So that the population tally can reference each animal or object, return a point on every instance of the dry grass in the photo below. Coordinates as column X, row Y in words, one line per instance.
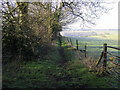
column 91, row 64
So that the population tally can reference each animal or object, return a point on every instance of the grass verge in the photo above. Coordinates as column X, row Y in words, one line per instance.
column 48, row 73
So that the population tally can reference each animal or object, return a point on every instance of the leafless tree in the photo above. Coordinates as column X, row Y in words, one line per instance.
column 86, row 11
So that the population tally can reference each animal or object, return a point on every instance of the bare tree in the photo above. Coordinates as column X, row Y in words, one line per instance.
column 29, row 25
column 87, row 11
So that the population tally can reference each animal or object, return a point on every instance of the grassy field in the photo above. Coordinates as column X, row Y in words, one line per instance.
column 95, row 44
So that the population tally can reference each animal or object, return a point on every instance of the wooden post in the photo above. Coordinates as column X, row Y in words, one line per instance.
column 67, row 39
column 71, row 42
column 85, row 50
column 77, row 44
column 60, row 40
column 100, row 58
column 105, row 56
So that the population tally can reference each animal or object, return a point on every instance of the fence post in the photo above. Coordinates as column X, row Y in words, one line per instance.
column 77, row 44
column 105, row 56
column 85, row 50
column 67, row 40
column 71, row 42
column 60, row 40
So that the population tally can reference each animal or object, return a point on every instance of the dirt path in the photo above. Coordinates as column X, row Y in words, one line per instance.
column 62, row 54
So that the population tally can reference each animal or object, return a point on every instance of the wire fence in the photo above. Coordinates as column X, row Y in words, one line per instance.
column 108, row 59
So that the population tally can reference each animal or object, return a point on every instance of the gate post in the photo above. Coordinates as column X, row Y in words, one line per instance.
column 71, row 42
column 104, row 56
column 85, row 50
column 77, row 44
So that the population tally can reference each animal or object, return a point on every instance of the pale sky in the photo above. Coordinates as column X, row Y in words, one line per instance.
column 110, row 20
column 106, row 21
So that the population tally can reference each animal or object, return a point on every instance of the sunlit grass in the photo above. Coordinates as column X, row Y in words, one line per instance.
column 107, row 37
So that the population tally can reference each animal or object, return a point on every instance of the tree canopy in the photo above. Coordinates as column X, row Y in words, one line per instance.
column 30, row 27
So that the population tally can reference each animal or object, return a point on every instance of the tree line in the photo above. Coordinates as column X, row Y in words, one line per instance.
column 29, row 28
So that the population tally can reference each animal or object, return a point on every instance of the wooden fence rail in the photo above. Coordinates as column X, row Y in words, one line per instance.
column 114, row 72
column 104, row 56
column 104, row 53
column 113, row 55
column 113, row 47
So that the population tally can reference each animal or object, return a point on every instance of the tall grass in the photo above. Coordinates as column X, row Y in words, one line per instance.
column 90, row 63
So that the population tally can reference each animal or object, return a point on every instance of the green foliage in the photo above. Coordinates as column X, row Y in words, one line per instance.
column 28, row 34
column 56, row 28
column 69, row 54
column 49, row 75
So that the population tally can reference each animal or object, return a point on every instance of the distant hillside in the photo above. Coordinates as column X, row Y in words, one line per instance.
column 99, row 34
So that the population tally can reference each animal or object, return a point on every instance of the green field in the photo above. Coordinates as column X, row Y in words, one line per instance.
column 95, row 45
